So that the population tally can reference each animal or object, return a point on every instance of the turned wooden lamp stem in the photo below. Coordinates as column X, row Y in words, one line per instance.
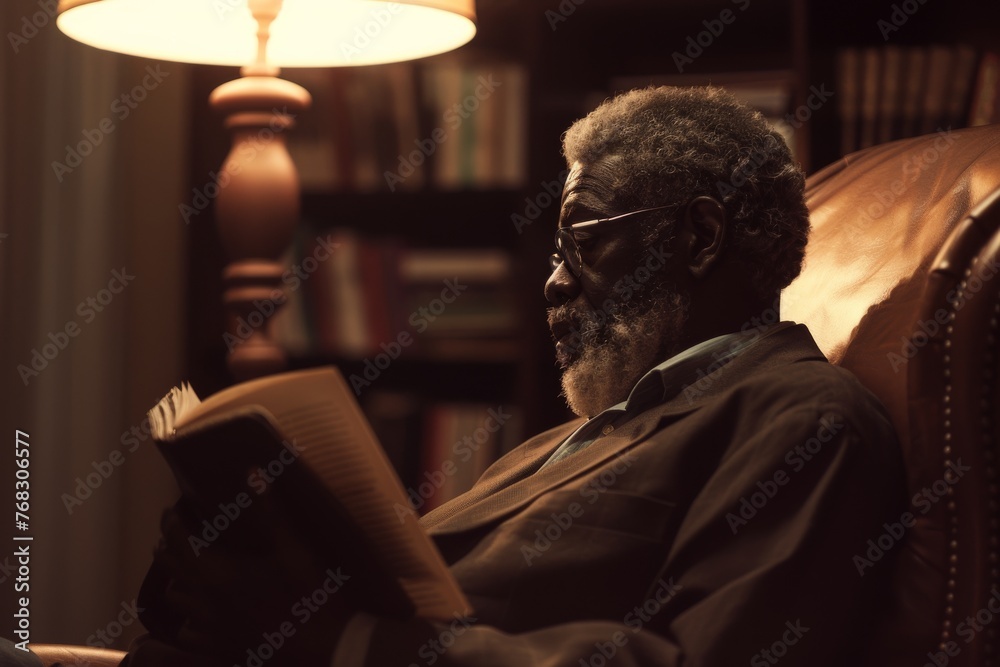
column 258, row 210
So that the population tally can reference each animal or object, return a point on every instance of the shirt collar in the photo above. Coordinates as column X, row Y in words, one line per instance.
column 667, row 379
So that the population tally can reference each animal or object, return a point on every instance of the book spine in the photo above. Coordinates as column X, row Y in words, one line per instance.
column 940, row 62
column 986, row 96
column 891, row 93
column 913, row 90
column 848, row 63
column 871, row 71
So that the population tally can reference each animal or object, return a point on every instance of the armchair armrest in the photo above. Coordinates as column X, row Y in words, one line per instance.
column 68, row 655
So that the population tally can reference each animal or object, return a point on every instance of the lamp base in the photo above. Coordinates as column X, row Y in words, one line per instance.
column 252, row 296
column 256, row 213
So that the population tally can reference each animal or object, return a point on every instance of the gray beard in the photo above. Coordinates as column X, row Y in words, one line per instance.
column 616, row 353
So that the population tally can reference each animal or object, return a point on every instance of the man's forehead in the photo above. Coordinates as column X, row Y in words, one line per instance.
column 589, row 188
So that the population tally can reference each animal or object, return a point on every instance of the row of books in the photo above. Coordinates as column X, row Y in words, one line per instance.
column 445, row 123
column 894, row 92
column 441, row 448
column 353, row 297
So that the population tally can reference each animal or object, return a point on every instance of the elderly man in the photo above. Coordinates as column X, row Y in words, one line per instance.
column 706, row 507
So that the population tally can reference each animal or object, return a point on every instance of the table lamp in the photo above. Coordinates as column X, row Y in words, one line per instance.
column 258, row 208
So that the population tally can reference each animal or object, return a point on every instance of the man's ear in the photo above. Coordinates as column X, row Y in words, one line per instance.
column 704, row 226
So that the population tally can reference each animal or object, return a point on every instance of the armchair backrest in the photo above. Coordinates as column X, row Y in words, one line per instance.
column 899, row 286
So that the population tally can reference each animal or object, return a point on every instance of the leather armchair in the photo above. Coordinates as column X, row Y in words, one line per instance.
column 900, row 286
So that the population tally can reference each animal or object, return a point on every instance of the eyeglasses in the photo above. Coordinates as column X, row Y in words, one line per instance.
column 567, row 249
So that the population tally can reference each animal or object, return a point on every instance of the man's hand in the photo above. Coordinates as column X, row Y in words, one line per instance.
column 255, row 590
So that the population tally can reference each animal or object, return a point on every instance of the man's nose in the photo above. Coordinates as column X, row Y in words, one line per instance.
column 562, row 286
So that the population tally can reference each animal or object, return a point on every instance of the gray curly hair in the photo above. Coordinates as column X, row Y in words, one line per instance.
column 674, row 144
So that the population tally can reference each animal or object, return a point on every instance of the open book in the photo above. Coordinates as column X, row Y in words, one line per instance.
column 302, row 437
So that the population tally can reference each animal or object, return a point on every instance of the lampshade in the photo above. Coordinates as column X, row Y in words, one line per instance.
column 306, row 33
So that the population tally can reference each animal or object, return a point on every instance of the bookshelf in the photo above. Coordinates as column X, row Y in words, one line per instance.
column 411, row 173
column 905, row 68
column 463, row 201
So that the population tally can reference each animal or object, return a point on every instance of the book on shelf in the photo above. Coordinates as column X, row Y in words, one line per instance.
column 985, row 107
column 940, row 71
column 301, row 438
column 312, row 138
column 849, row 83
column 406, row 93
column 458, row 293
column 451, row 122
column 480, row 109
column 396, row 417
column 346, row 282
column 460, row 441
column 441, row 447
column 914, row 66
column 893, row 92
column 958, row 97
column 369, row 292
column 890, row 94
column 870, row 66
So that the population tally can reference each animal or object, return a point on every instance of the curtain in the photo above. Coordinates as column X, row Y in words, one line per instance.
column 93, row 167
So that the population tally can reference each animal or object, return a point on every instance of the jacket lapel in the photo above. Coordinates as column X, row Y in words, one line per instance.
column 515, row 466
column 491, row 500
column 515, row 480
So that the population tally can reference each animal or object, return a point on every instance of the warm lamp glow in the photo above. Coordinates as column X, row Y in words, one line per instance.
column 307, row 33
column 257, row 209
